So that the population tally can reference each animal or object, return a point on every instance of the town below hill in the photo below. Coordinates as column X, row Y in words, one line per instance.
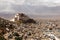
column 23, row 27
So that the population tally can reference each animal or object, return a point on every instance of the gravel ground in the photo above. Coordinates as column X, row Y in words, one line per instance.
column 38, row 31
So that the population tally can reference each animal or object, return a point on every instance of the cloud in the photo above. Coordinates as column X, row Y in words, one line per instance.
column 6, row 5
column 30, row 2
column 43, row 2
column 19, row 2
column 12, row 2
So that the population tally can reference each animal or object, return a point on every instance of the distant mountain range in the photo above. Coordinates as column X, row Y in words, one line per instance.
column 34, row 10
column 37, row 10
column 10, row 16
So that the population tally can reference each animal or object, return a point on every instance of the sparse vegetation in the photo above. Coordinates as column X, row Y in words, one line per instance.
column 18, row 38
column 15, row 34
column 25, row 28
column 2, row 38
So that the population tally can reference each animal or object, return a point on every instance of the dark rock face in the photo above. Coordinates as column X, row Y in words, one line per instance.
column 29, row 21
column 2, row 38
column 18, row 38
column 10, row 36
column 2, row 31
column 24, row 18
column 16, row 34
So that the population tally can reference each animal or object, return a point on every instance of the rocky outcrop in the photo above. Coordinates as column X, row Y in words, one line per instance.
column 23, row 18
column 6, row 25
column 42, row 30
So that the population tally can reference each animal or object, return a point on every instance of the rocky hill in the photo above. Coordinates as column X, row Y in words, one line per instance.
column 5, row 25
column 26, row 28
column 20, row 17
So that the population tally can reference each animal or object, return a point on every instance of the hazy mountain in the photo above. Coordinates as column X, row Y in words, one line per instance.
column 29, row 9
column 37, row 10
column 32, row 11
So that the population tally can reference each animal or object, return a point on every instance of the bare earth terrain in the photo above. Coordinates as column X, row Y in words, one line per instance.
column 25, row 28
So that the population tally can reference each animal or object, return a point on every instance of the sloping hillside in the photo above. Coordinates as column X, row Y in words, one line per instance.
column 23, row 28
column 5, row 25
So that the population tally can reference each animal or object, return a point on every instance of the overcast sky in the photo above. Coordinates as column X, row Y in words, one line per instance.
column 30, row 2
column 5, row 5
